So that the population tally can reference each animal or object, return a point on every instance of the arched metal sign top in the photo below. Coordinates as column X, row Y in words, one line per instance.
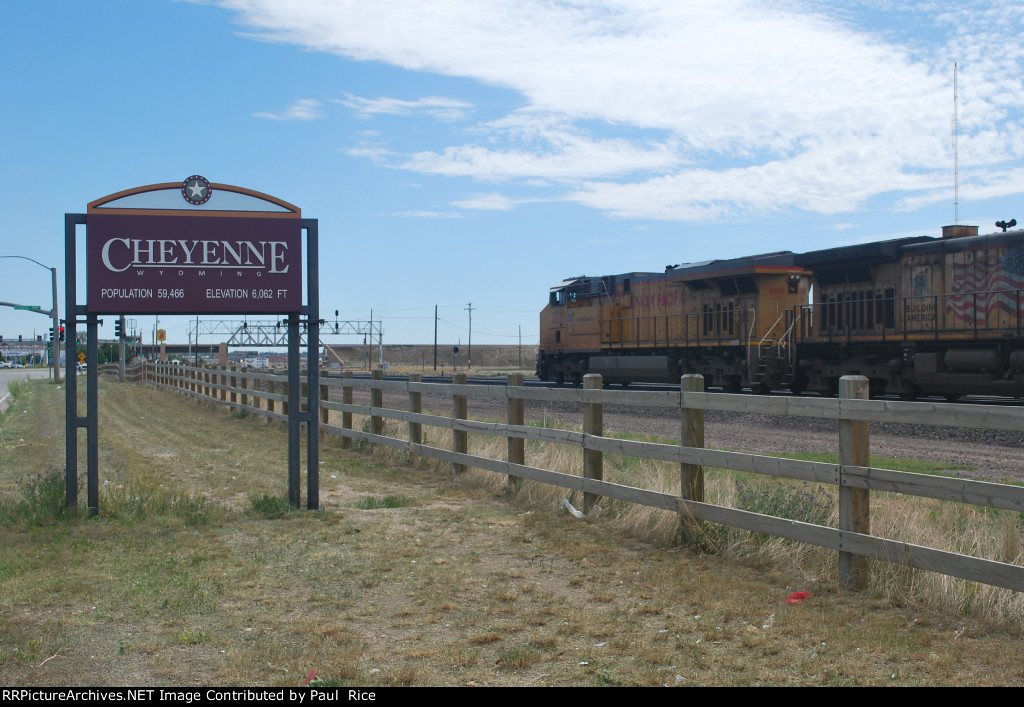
column 167, row 199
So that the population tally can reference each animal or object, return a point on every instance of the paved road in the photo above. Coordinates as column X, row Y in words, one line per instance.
column 19, row 374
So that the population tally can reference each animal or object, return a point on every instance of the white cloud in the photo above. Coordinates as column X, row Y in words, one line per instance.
column 546, row 145
column 693, row 111
column 448, row 109
column 302, row 109
column 985, row 184
column 488, row 202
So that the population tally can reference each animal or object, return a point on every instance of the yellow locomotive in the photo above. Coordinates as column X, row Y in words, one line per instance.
column 729, row 320
column 923, row 315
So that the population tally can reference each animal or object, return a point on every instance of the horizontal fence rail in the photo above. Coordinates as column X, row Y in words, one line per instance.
column 266, row 394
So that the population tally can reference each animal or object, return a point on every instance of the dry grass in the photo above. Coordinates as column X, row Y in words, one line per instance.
column 459, row 586
column 956, row 527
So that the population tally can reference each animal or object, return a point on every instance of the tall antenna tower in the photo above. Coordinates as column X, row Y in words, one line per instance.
column 956, row 150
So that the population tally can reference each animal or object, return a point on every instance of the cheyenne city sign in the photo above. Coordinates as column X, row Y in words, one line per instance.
column 194, row 247
column 193, row 261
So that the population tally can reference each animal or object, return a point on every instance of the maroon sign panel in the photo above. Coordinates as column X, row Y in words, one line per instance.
column 193, row 264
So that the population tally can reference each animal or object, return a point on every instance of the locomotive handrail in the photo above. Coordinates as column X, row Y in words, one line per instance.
column 770, row 330
column 787, row 336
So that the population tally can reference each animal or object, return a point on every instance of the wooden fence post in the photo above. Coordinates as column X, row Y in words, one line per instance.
column 516, row 416
column 460, row 410
column 415, row 407
column 223, row 383
column 593, row 424
column 854, row 503
column 234, row 386
column 691, row 476
column 346, row 417
column 377, row 401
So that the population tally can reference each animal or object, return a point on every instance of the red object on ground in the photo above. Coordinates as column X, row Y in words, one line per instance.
column 797, row 597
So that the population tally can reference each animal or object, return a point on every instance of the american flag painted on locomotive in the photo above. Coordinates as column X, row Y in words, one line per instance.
column 993, row 289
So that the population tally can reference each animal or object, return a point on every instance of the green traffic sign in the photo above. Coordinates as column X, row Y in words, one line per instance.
column 32, row 307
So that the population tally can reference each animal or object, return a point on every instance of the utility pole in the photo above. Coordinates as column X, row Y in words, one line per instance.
column 469, row 353
column 435, row 337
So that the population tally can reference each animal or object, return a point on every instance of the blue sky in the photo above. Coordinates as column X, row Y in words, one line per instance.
column 478, row 152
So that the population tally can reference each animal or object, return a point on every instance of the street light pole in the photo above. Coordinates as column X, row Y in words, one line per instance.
column 55, row 337
column 54, row 314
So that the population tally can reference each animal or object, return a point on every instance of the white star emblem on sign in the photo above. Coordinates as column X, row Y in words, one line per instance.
column 197, row 189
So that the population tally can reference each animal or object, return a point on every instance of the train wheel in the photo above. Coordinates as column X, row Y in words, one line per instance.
column 733, row 384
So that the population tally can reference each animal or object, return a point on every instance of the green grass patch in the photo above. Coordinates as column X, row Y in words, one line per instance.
column 269, row 506
column 41, row 499
column 374, row 503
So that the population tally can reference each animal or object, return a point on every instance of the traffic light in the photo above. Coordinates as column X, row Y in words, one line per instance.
column 62, row 332
column 53, row 334
column 118, row 329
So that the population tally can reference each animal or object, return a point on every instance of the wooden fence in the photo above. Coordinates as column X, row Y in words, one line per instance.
column 266, row 394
